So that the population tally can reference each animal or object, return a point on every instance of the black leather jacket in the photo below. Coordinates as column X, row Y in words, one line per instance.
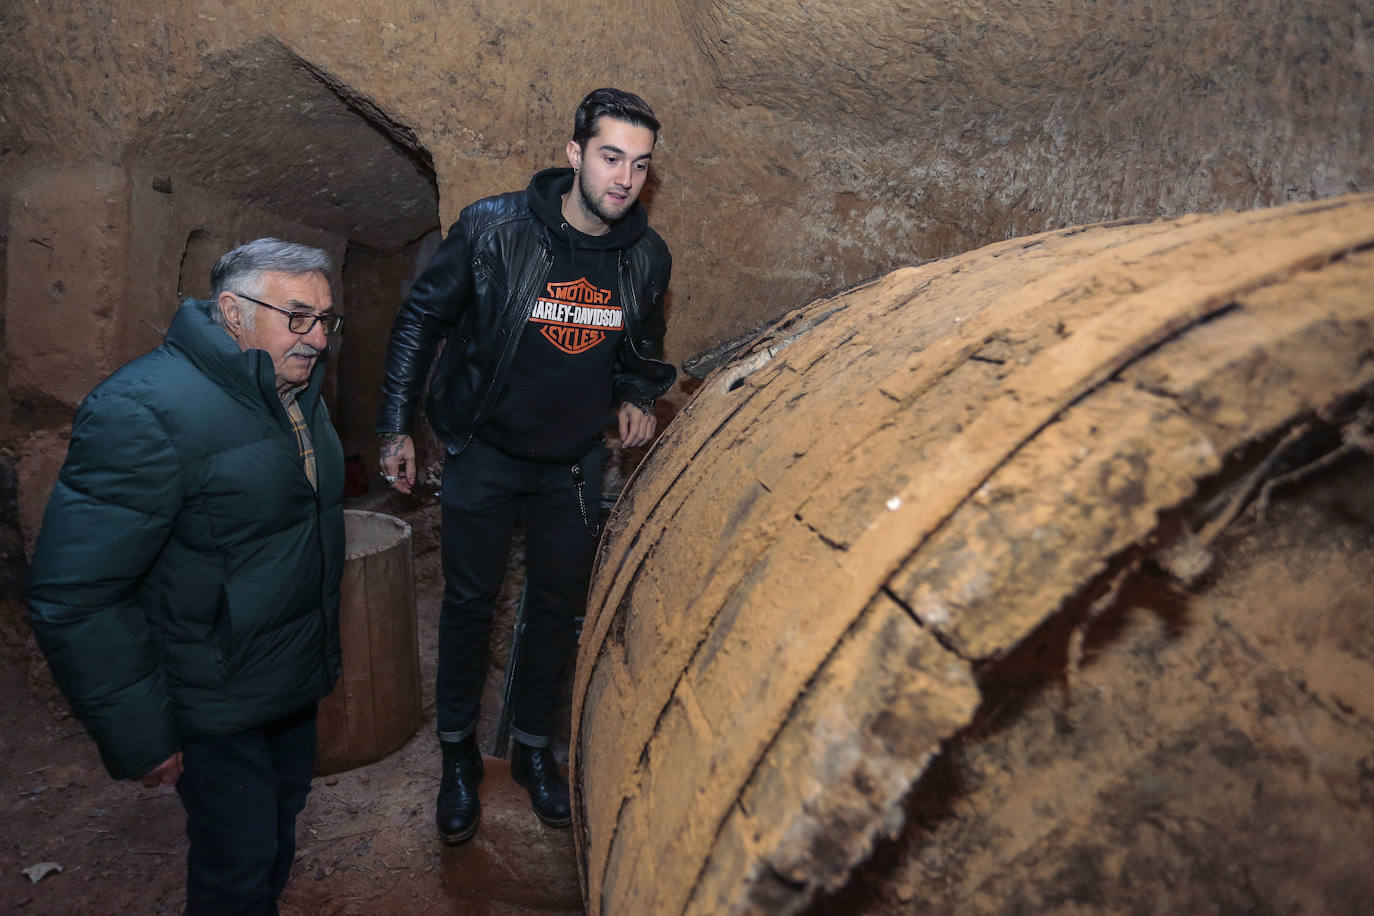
column 477, row 293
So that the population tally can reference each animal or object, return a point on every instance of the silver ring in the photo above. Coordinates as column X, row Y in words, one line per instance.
column 389, row 478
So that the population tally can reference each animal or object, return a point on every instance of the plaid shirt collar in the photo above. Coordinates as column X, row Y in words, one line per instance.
column 302, row 431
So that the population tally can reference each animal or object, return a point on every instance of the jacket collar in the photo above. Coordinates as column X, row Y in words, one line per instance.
column 195, row 335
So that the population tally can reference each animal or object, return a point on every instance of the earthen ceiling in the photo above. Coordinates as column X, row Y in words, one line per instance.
column 269, row 129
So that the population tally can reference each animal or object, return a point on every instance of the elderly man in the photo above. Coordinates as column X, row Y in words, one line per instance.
column 185, row 583
column 550, row 303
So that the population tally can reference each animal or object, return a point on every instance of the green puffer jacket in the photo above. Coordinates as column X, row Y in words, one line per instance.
column 186, row 577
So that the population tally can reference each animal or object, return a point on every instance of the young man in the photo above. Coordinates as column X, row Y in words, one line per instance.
column 550, row 303
column 185, row 583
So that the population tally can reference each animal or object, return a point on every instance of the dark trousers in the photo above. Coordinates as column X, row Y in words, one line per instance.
column 485, row 493
column 242, row 793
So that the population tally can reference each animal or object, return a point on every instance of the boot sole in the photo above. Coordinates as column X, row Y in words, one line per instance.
column 454, row 839
column 561, row 822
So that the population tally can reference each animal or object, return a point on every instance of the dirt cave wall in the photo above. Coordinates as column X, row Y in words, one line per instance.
column 805, row 146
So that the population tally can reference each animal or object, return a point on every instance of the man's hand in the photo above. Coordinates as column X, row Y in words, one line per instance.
column 164, row 774
column 636, row 426
column 398, row 462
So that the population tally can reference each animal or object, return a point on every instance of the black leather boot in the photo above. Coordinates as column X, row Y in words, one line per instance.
column 536, row 770
column 457, row 811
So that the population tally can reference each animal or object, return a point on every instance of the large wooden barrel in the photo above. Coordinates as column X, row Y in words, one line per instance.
column 375, row 706
column 1034, row 579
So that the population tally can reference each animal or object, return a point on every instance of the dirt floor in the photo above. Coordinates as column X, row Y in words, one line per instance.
column 366, row 838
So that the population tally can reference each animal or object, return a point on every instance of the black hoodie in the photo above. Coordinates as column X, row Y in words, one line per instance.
column 557, row 393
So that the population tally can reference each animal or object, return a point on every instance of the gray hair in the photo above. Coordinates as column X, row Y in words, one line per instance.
column 241, row 270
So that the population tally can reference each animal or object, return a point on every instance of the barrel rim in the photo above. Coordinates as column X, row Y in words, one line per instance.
column 402, row 526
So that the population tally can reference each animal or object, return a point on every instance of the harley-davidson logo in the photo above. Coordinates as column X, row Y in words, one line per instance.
column 579, row 290
column 576, row 315
column 572, row 340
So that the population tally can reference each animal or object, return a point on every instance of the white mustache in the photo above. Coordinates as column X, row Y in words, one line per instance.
column 304, row 349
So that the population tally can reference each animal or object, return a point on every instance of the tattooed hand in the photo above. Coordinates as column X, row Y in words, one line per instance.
column 398, row 462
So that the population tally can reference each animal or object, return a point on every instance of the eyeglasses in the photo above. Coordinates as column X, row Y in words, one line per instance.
column 302, row 322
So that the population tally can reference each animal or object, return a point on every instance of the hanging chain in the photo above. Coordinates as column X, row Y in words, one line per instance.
column 578, row 481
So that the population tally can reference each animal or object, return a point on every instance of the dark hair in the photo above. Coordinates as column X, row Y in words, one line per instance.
column 611, row 103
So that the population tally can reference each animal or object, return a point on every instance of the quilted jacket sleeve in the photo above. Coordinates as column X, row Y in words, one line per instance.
column 109, row 516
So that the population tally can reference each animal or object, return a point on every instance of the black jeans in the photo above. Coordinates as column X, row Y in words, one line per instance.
column 242, row 793
column 485, row 492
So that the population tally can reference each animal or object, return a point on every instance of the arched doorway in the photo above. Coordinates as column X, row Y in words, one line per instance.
column 266, row 143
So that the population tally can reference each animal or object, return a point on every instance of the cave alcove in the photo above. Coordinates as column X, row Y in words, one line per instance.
column 266, row 143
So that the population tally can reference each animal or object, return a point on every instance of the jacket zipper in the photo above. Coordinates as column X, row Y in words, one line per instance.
column 285, row 418
column 324, row 618
column 524, row 297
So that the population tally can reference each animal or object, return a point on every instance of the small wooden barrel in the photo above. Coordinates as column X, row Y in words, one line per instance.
column 375, row 706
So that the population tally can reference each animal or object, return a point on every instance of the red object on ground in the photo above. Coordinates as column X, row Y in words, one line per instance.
column 355, row 476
